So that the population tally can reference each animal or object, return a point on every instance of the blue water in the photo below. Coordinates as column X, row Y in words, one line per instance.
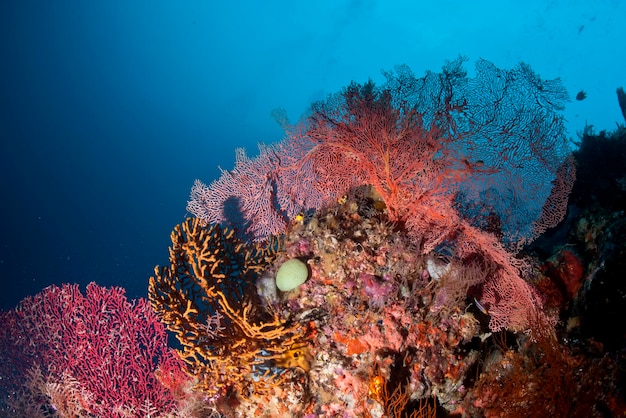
column 110, row 110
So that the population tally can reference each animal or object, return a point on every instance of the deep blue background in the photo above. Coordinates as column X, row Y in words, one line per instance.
column 110, row 109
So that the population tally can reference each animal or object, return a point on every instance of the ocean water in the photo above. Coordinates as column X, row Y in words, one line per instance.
column 110, row 110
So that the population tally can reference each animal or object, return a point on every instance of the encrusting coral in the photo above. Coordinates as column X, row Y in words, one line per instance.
column 373, row 310
column 379, row 314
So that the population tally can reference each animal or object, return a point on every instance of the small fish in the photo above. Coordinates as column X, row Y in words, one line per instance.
column 480, row 307
column 581, row 95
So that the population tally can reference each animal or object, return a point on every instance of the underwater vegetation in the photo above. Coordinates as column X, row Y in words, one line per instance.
column 71, row 354
column 428, row 247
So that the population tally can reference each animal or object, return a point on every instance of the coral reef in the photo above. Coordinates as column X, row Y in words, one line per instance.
column 381, row 310
column 204, row 297
column 585, row 256
column 580, row 277
column 544, row 378
column 373, row 308
column 378, row 328
column 386, row 330
column 411, row 297
column 408, row 201
column 374, row 264
column 445, row 165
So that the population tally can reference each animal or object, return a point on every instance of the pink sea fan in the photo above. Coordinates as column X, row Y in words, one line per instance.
column 109, row 345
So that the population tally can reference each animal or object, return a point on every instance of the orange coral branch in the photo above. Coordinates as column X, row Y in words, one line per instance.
column 207, row 297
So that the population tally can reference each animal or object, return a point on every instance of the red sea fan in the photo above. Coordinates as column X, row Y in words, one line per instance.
column 431, row 146
column 476, row 166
